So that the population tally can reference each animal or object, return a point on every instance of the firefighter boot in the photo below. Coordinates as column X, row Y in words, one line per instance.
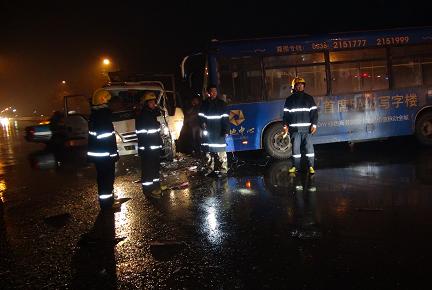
column 311, row 170
column 156, row 192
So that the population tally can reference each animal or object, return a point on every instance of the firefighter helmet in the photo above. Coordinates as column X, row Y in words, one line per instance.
column 100, row 97
column 149, row 96
column 297, row 80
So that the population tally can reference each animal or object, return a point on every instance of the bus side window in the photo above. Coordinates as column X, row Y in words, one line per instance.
column 281, row 70
column 406, row 72
column 412, row 65
column 241, row 79
column 358, row 70
column 427, row 70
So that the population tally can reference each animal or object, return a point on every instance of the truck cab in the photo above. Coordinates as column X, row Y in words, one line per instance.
column 71, row 125
column 128, row 95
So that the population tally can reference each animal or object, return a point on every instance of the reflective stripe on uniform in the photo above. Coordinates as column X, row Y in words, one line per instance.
column 214, row 116
column 300, row 109
column 310, row 155
column 105, row 196
column 297, row 155
column 151, row 147
column 156, row 180
column 152, row 131
column 101, row 135
column 214, row 145
column 147, row 131
column 98, row 154
column 105, row 135
column 147, row 183
column 113, row 155
column 300, row 125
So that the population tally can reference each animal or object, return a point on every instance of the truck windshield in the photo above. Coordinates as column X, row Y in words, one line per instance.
column 125, row 103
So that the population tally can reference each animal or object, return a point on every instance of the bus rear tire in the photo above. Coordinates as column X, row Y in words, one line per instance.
column 423, row 129
column 275, row 144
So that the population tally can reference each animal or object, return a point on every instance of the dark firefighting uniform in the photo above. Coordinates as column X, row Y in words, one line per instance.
column 149, row 147
column 102, row 151
column 214, row 122
column 300, row 114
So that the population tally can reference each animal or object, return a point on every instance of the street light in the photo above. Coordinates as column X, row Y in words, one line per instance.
column 64, row 82
column 106, row 67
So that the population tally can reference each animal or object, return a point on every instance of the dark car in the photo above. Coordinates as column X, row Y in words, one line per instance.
column 39, row 133
column 58, row 129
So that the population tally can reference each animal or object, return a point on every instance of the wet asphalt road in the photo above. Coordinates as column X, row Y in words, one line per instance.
column 367, row 225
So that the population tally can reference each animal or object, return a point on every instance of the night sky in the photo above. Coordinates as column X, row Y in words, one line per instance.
column 46, row 42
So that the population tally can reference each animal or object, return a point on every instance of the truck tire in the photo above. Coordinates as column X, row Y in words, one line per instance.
column 275, row 144
column 423, row 129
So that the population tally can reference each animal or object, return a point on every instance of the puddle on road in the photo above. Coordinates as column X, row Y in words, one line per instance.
column 58, row 221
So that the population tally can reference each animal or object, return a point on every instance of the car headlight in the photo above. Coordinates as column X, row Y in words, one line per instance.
column 118, row 138
column 165, row 130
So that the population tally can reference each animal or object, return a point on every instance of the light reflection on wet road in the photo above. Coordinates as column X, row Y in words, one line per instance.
column 363, row 221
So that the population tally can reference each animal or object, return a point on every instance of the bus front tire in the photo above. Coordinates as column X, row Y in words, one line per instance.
column 275, row 144
column 276, row 176
column 423, row 129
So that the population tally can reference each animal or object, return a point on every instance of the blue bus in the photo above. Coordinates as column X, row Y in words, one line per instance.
column 367, row 85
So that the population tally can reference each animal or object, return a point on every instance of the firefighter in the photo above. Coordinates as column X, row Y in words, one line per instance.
column 215, row 127
column 102, row 146
column 300, row 120
column 149, row 144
